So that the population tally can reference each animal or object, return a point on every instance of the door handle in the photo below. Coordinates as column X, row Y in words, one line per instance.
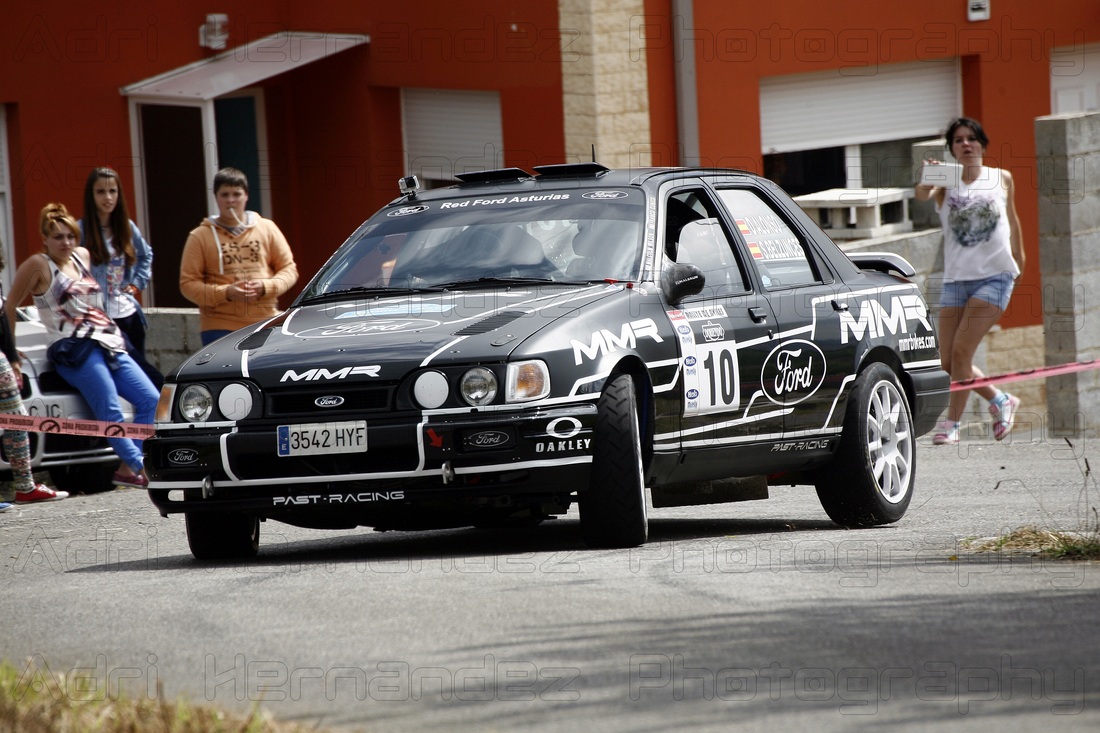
column 840, row 307
column 758, row 315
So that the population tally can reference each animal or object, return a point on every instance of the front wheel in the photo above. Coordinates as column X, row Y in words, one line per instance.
column 870, row 481
column 227, row 536
column 613, row 509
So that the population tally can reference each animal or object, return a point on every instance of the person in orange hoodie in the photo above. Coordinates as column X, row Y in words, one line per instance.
column 235, row 265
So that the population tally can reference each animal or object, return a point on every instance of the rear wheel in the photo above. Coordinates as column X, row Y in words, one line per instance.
column 229, row 536
column 870, row 481
column 613, row 509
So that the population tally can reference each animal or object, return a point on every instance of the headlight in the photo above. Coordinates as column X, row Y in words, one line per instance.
column 527, row 380
column 196, row 403
column 235, row 401
column 430, row 390
column 478, row 386
column 164, row 405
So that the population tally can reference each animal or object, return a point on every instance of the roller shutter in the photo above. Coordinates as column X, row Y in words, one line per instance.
column 831, row 109
column 450, row 131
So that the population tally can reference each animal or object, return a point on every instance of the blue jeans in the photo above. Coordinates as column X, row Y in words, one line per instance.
column 102, row 384
column 209, row 337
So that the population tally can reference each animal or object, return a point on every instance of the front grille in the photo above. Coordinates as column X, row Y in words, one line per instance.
column 256, row 466
column 301, row 402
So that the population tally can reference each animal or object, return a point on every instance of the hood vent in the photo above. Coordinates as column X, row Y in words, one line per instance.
column 492, row 323
column 254, row 340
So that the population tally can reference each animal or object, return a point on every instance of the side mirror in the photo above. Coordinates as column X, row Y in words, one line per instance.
column 680, row 280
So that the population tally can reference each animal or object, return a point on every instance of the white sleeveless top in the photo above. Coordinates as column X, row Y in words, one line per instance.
column 977, row 241
column 73, row 308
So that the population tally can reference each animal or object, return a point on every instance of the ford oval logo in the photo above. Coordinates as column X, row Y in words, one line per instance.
column 329, row 401
column 604, row 195
column 487, row 439
column 793, row 371
column 183, row 456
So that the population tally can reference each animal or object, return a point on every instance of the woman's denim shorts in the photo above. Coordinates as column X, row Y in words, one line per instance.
column 996, row 290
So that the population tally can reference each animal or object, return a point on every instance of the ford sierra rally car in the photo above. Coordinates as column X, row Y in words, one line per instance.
column 493, row 352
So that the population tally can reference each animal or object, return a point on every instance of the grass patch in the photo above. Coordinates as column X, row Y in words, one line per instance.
column 33, row 700
column 1043, row 542
column 1082, row 543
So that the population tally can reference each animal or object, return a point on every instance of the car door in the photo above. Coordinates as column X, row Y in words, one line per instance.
column 725, row 333
column 809, row 366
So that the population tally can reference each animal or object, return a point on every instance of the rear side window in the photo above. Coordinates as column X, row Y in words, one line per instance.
column 778, row 253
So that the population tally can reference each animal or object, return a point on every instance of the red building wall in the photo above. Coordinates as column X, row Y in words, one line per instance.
column 334, row 127
column 1005, row 66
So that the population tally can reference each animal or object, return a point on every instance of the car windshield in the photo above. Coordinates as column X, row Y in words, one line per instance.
column 567, row 237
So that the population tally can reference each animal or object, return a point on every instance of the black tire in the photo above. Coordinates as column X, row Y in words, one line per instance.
column 89, row 478
column 613, row 509
column 870, row 481
column 229, row 536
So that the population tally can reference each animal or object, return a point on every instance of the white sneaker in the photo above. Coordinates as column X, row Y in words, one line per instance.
column 1004, row 415
column 947, row 433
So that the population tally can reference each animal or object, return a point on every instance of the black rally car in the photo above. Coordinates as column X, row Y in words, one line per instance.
column 489, row 353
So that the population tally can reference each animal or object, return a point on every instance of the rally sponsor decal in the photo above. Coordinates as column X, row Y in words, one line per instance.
column 407, row 210
column 534, row 198
column 711, row 375
column 769, row 238
column 793, row 372
column 361, row 497
column 397, row 310
column 871, row 319
column 800, row 445
column 604, row 341
column 604, row 195
column 373, row 327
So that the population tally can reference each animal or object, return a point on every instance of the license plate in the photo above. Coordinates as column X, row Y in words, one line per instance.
column 317, row 438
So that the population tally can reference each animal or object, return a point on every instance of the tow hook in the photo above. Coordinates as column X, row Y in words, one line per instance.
column 207, row 487
column 448, row 472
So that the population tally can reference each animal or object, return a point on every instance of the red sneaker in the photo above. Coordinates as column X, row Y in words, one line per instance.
column 133, row 481
column 41, row 493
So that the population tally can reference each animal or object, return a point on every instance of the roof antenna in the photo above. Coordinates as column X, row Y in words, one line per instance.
column 593, row 152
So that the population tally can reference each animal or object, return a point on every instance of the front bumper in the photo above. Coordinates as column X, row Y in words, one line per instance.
column 408, row 458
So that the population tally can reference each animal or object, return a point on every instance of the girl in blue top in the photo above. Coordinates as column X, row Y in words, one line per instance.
column 122, row 261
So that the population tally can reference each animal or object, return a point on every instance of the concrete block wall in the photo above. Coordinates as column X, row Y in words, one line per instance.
column 605, row 88
column 1068, row 154
column 172, row 336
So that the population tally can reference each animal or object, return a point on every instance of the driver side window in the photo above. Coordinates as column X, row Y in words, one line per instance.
column 694, row 234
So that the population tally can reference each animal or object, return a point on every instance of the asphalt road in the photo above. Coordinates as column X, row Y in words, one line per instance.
column 733, row 617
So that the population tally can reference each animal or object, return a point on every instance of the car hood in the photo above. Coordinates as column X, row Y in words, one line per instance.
column 385, row 337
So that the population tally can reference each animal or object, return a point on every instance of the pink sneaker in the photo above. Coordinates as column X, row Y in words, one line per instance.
column 1004, row 415
column 41, row 492
column 947, row 433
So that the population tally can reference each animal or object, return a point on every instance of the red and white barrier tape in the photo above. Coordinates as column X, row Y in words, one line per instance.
column 97, row 428
column 1026, row 374
column 102, row 429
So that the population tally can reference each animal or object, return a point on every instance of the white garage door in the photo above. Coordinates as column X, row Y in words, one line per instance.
column 829, row 109
column 1075, row 80
column 450, row 131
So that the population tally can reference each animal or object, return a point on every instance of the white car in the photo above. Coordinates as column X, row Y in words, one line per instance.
column 74, row 462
